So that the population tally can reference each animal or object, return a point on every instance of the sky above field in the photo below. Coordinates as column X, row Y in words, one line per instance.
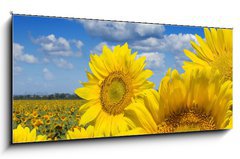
column 51, row 55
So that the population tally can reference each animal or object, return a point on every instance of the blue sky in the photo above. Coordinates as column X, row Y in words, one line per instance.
column 50, row 55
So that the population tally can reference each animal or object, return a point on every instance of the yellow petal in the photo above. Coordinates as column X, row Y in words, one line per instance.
column 90, row 114
column 88, row 93
column 194, row 58
column 142, row 77
column 138, row 113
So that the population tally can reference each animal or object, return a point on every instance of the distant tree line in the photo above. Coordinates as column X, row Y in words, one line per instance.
column 46, row 97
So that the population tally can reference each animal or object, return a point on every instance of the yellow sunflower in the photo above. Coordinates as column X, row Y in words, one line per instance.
column 80, row 133
column 215, row 52
column 21, row 135
column 117, row 78
column 196, row 100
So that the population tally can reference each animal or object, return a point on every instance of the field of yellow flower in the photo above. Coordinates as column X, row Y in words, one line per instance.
column 49, row 117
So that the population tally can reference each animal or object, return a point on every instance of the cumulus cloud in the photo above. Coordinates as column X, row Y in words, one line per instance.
column 20, row 55
column 179, row 59
column 47, row 74
column 144, row 30
column 78, row 44
column 61, row 63
column 172, row 43
column 121, row 31
column 53, row 45
column 58, row 46
column 98, row 48
column 154, row 60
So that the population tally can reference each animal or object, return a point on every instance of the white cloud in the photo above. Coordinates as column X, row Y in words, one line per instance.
column 154, row 60
column 144, row 30
column 98, row 48
column 58, row 46
column 61, row 63
column 20, row 55
column 121, row 31
column 53, row 45
column 172, row 43
column 78, row 44
column 47, row 74
column 179, row 59
column 17, row 70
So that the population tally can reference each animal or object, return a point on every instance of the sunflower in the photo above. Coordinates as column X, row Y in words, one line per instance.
column 117, row 78
column 214, row 52
column 46, row 117
column 35, row 114
column 38, row 122
column 80, row 133
column 196, row 100
column 21, row 135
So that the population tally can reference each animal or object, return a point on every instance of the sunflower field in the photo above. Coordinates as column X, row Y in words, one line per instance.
column 51, row 117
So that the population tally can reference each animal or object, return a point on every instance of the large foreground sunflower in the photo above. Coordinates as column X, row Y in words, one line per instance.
column 21, row 135
column 197, row 100
column 215, row 52
column 117, row 78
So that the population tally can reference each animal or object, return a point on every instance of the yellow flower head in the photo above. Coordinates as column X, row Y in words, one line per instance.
column 72, row 110
column 21, row 135
column 196, row 100
column 48, row 122
column 35, row 114
column 23, row 120
column 117, row 78
column 26, row 113
column 38, row 122
column 50, row 114
column 63, row 118
column 46, row 117
column 215, row 52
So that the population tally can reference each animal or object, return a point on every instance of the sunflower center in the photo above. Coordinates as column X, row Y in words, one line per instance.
column 116, row 93
column 190, row 120
column 116, row 90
